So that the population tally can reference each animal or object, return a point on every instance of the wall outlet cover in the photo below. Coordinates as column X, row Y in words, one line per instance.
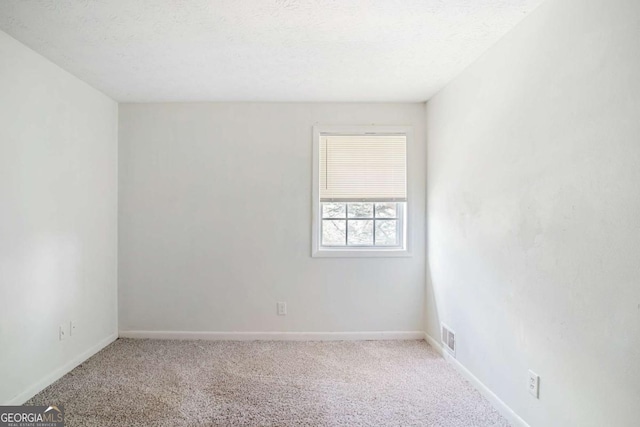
column 534, row 384
column 282, row 308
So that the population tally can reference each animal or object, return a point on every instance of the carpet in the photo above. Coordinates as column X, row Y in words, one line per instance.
column 268, row 383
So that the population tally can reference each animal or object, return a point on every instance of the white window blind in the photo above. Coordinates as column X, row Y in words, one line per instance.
column 363, row 167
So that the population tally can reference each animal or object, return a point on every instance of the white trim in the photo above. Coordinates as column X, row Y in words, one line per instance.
column 363, row 253
column 433, row 343
column 316, row 252
column 58, row 373
column 513, row 418
column 274, row 336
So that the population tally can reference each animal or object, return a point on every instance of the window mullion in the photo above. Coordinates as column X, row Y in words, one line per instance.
column 346, row 226
column 374, row 224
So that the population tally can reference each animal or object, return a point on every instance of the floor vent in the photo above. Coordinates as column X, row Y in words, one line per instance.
column 449, row 339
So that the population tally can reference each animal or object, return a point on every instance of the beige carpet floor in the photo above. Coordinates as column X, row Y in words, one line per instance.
column 268, row 383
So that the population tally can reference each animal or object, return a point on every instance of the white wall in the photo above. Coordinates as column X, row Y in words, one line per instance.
column 58, row 220
column 215, row 223
column 534, row 214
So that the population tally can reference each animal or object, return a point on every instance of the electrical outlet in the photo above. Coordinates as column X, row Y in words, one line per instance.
column 61, row 333
column 534, row 384
column 72, row 328
column 282, row 309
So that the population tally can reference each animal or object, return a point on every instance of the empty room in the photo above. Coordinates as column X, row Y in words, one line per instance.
column 320, row 213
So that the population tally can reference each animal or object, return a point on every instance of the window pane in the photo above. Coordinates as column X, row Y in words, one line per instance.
column 386, row 210
column 333, row 232
column 386, row 233
column 360, row 232
column 333, row 210
column 360, row 210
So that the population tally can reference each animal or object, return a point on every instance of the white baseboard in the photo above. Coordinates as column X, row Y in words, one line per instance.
column 513, row 418
column 59, row 372
column 275, row 336
column 435, row 344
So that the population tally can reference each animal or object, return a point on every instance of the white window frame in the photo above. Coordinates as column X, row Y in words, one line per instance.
column 319, row 251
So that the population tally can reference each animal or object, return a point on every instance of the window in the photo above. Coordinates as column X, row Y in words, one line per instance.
column 360, row 191
column 362, row 224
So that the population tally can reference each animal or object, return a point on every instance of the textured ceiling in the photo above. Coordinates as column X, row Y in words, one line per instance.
column 262, row 50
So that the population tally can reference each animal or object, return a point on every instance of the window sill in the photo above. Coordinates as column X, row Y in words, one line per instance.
column 361, row 253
